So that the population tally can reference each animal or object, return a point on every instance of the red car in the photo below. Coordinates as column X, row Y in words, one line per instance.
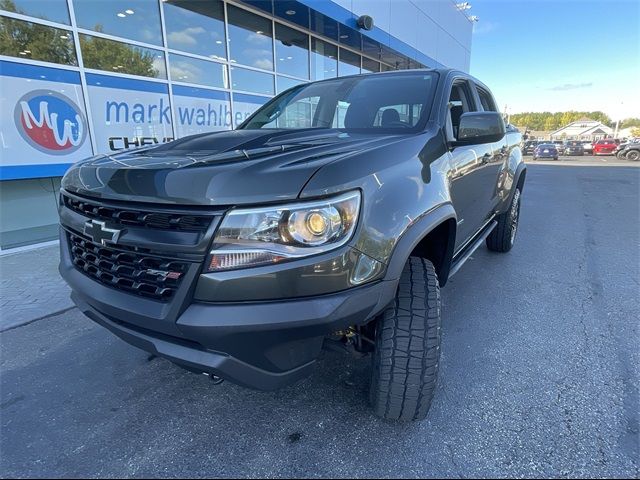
column 604, row 147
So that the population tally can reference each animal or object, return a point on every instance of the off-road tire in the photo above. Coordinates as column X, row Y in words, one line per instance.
column 407, row 346
column 502, row 238
column 632, row 155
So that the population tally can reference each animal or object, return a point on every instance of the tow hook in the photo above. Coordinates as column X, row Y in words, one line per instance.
column 214, row 378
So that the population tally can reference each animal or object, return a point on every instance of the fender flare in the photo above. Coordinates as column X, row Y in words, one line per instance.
column 521, row 171
column 414, row 234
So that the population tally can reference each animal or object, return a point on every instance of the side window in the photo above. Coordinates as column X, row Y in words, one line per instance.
column 486, row 100
column 460, row 101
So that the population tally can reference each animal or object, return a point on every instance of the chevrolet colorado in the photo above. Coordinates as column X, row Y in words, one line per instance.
column 331, row 217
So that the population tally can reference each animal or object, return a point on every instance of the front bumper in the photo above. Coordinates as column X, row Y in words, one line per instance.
column 263, row 345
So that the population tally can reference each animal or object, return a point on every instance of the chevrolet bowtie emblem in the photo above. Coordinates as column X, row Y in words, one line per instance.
column 100, row 233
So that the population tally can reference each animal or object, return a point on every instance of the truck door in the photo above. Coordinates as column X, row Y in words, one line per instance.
column 470, row 182
column 498, row 162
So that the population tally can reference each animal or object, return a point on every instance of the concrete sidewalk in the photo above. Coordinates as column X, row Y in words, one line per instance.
column 31, row 287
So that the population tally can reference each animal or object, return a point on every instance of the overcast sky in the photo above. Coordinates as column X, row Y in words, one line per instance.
column 560, row 55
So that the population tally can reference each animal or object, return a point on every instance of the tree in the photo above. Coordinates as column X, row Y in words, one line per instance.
column 40, row 42
column 635, row 132
column 552, row 121
column 103, row 54
column 31, row 40
column 630, row 122
column 550, row 124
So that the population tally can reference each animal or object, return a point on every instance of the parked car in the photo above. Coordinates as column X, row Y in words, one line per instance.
column 604, row 147
column 240, row 254
column 587, row 146
column 559, row 146
column 629, row 151
column 574, row 147
column 545, row 150
column 529, row 146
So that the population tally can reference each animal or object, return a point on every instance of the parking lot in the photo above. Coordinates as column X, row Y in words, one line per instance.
column 539, row 373
column 584, row 161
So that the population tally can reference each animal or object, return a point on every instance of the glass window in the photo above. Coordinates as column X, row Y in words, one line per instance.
column 285, row 83
column 38, row 42
column 244, row 105
column 386, row 68
column 196, row 27
column 251, row 81
column 292, row 52
column 390, row 103
column 250, row 39
column 297, row 114
column 324, row 60
column 52, row 10
column 398, row 115
column 135, row 19
column 349, row 63
column 193, row 70
column 112, row 56
column 486, row 101
column 369, row 65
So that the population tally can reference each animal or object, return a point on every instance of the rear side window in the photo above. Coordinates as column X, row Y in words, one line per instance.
column 486, row 101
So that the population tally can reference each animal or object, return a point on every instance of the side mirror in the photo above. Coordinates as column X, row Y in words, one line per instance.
column 479, row 127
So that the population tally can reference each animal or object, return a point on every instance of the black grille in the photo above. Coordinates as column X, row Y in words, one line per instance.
column 131, row 271
column 140, row 218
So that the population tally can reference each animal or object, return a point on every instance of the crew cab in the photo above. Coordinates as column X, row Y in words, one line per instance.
column 330, row 218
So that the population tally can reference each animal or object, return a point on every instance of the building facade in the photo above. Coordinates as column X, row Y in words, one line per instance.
column 86, row 77
column 584, row 129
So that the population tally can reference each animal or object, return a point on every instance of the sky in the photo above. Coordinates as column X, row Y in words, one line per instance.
column 546, row 55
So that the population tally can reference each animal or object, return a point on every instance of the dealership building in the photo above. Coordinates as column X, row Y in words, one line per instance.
column 86, row 77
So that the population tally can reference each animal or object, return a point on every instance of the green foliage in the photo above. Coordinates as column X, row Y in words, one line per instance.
column 39, row 42
column 31, row 40
column 548, row 121
column 630, row 122
column 103, row 54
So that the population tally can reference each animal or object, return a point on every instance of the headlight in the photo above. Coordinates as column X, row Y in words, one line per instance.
column 262, row 236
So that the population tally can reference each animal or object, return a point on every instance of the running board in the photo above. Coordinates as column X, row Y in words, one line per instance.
column 464, row 254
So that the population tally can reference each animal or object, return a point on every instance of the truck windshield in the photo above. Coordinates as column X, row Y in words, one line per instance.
column 393, row 103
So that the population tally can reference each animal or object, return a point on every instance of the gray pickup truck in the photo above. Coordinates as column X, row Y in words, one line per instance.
column 330, row 218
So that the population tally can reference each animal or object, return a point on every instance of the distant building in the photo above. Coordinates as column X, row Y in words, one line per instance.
column 584, row 129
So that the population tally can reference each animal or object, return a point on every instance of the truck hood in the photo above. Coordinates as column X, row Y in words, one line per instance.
column 223, row 168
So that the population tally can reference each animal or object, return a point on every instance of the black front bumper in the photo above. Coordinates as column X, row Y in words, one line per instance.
column 263, row 345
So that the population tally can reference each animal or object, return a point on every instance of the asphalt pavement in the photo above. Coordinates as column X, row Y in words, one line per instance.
column 539, row 374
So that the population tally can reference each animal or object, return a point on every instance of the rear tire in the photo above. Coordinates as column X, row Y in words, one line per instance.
column 632, row 155
column 407, row 351
column 502, row 238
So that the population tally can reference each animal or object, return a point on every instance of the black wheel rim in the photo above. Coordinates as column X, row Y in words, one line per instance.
column 514, row 215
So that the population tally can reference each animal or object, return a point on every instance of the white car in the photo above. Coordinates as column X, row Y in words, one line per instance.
column 588, row 147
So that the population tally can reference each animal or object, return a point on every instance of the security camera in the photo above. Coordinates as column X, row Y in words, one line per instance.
column 365, row 22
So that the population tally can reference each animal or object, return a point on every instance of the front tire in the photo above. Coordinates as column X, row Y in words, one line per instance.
column 407, row 350
column 502, row 238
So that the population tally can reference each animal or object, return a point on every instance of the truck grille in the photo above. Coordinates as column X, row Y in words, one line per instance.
column 126, row 269
column 139, row 218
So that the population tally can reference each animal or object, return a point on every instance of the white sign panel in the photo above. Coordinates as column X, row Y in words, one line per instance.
column 128, row 113
column 198, row 110
column 44, row 124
